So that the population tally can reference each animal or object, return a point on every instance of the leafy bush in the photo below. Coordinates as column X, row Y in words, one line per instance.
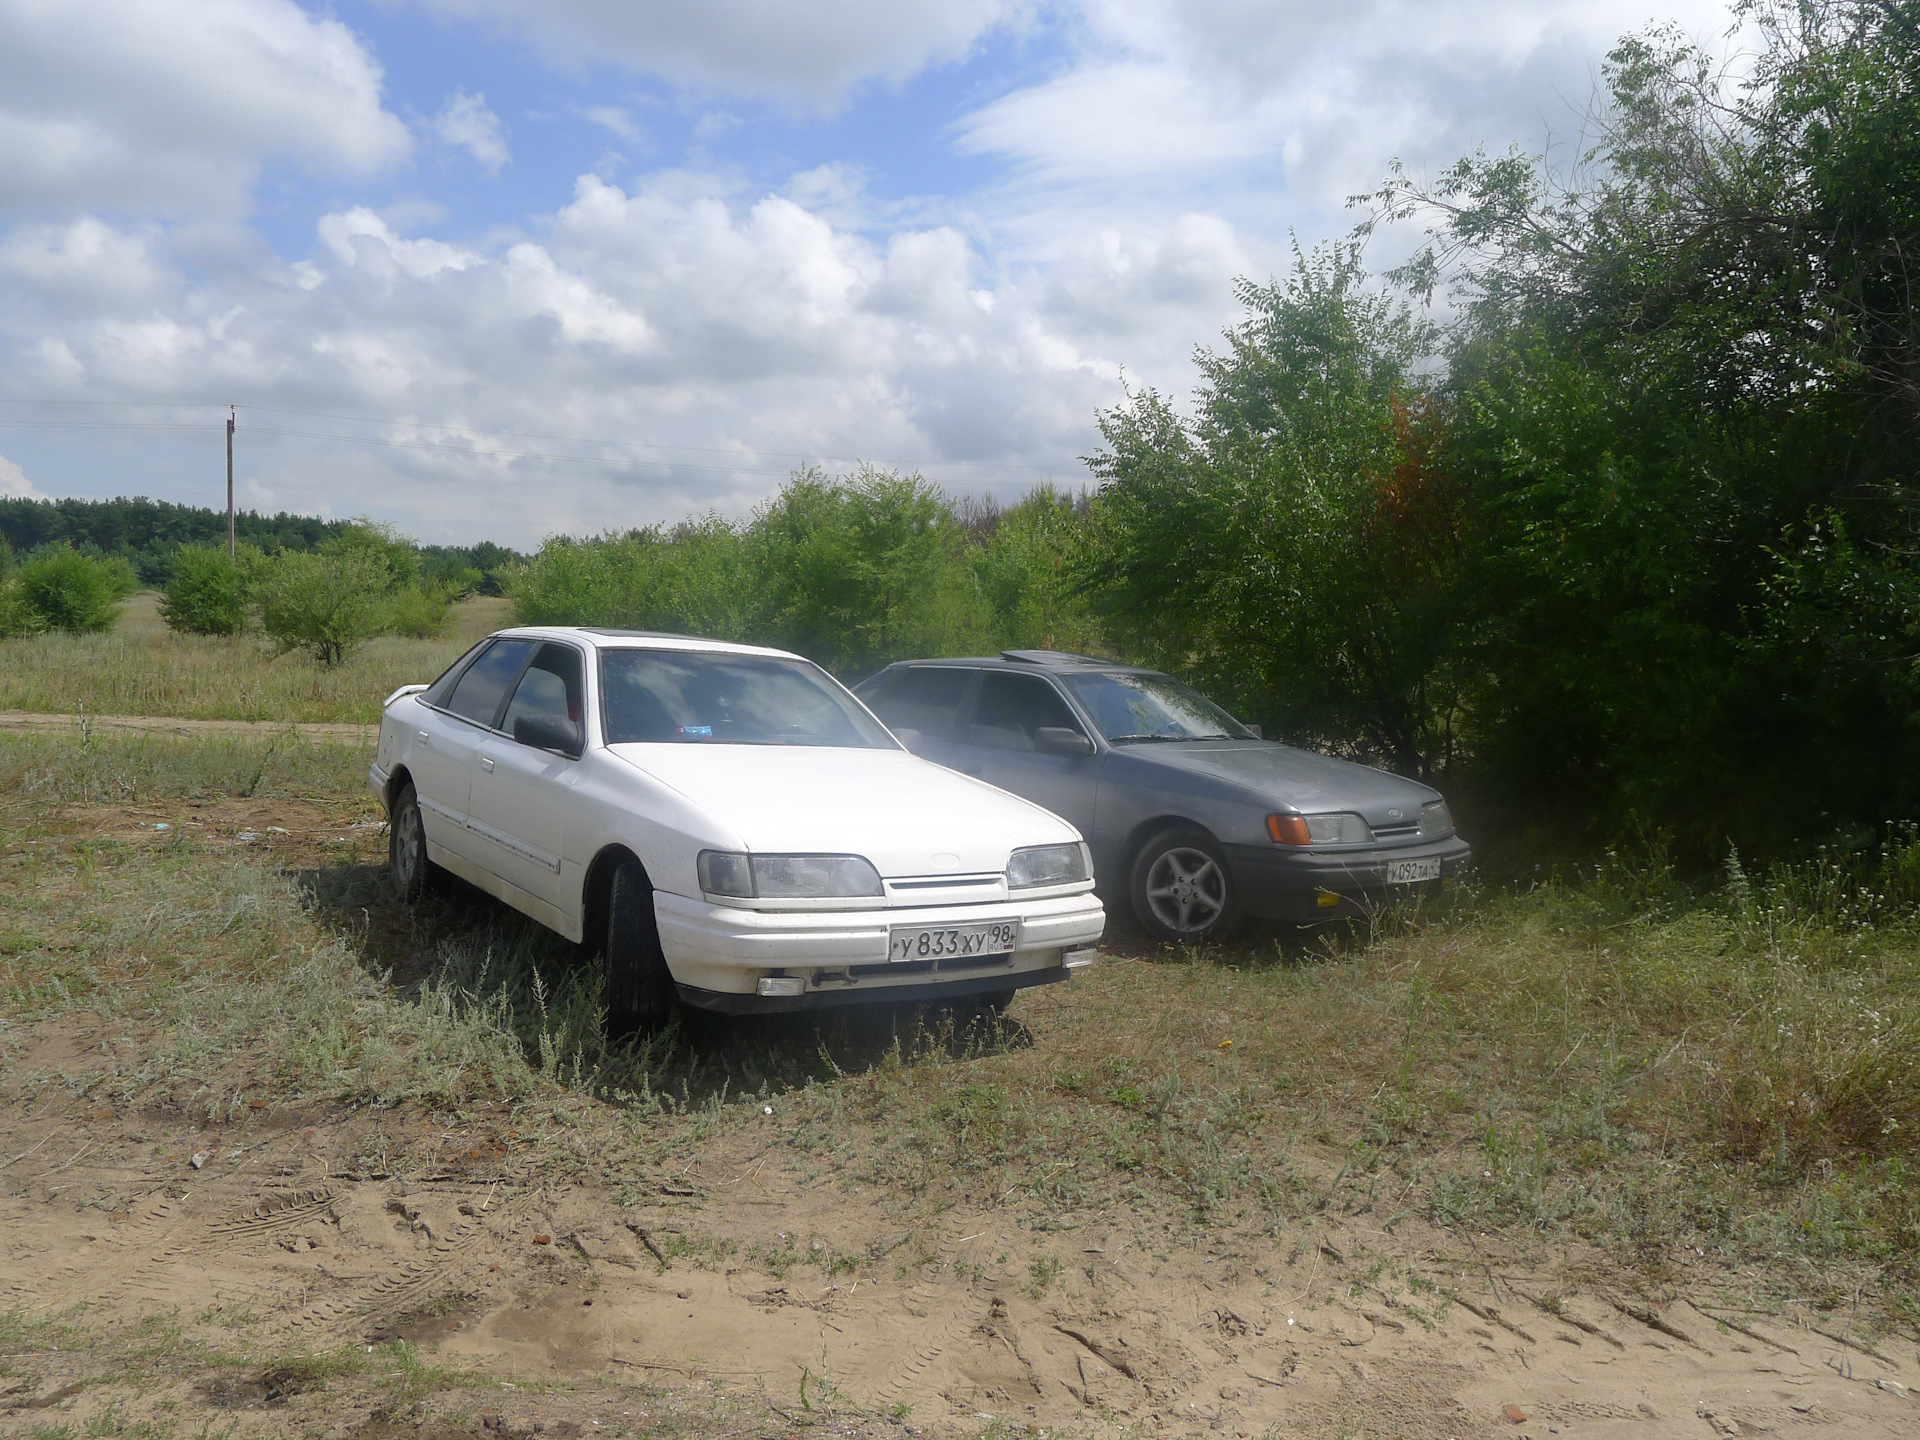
column 858, row 570
column 73, row 592
column 1287, row 546
column 691, row 579
column 326, row 605
column 17, row 617
column 420, row 611
column 207, row 594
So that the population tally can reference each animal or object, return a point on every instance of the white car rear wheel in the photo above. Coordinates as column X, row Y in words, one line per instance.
column 407, row 862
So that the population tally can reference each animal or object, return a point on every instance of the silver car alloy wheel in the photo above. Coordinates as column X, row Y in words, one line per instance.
column 1186, row 890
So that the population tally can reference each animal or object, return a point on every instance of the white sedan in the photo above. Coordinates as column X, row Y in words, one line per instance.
column 726, row 822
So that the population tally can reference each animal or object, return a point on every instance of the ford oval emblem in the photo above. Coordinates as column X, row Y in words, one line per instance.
column 1393, row 814
column 946, row 861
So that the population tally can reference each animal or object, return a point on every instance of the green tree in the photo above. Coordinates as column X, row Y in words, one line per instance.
column 80, row 594
column 862, row 569
column 326, row 605
column 1022, row 563
column 1683, row 401
column 1291, row 547
column 692, row 579
column 206, row 592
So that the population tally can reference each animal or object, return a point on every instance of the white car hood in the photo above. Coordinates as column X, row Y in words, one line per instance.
column 907, row 815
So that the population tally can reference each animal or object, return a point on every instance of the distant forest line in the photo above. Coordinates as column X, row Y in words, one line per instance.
column 147, row 533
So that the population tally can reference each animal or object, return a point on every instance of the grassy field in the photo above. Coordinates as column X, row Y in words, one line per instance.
column 1684, row 1088
column 143, row 668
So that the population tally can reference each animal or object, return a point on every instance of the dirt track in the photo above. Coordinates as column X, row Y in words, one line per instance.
column 737, row 1264
column 339, row 734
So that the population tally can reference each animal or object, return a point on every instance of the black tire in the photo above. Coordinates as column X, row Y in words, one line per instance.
column 639, row 988
column 1182, row 890
column 408, row 867
column 995, row 1002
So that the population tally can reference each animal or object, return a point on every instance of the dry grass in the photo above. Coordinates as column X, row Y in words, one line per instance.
column 143, row 668
column 1621, row 1061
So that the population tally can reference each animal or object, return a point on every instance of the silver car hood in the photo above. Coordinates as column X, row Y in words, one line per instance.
column 1260, row 771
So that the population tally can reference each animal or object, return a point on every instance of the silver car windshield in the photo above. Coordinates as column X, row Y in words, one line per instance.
column 679, row 697
column 1137, row 709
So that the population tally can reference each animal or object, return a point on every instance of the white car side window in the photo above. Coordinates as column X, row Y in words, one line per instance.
column 477, row 697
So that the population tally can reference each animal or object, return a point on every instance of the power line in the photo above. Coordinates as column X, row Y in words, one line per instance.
column 625, row 464
column 471, row 430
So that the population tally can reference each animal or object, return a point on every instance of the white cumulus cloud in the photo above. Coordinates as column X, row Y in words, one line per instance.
column 721, row 338
column 467, row 123
column 803, row 49
column 166, row 108
column 14, row 484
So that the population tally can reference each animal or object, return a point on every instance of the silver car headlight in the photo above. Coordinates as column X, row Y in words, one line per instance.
column 1436, row 819
column 1039, row 865
column 1337, row 829
column 787, row 877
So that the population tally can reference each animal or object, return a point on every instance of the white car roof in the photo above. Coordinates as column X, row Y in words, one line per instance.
column 606, row 639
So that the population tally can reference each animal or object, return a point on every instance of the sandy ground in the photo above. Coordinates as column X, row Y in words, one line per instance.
column 722, row 1270
column 115, row 1218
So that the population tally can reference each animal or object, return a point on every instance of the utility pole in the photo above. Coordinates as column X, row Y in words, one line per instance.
column 232, row 550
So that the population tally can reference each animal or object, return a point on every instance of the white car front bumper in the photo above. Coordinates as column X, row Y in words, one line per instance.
column 719, row 954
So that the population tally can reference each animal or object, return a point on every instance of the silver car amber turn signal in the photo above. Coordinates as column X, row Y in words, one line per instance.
column 786, row 877
column 1339, row 829
column 1039, row 865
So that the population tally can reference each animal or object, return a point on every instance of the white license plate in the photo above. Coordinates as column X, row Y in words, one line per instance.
column 1409, row 872
column 946, row 942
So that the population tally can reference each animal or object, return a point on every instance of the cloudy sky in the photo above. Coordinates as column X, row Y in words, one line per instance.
column 504, row 268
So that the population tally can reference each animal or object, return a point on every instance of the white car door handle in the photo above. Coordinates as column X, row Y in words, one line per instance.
column 486, row 763
column 423, row 737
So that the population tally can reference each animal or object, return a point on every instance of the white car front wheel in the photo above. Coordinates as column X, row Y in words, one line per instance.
column 639, row 989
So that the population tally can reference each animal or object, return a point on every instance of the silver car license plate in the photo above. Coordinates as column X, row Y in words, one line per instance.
column 946, row 942
column 1409, row 872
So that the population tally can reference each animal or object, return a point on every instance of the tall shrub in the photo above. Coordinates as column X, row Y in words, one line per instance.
column 206, row 592
column 1683, row 401
column 65, row 590
column 1022, row 559
column 1289, row 546
column 691, row 579
column 325, row 605
column 863, row 569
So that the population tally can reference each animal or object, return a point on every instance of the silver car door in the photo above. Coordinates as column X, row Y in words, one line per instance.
column 446, row 741
column 521, row 792
column 1002, row 744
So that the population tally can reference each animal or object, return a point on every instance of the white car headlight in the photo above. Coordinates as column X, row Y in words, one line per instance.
column 1047, row 865
column 787, row 877
column 1436, row 819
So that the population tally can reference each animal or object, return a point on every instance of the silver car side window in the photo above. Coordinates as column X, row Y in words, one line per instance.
column 1013, row 709
column 924, row 698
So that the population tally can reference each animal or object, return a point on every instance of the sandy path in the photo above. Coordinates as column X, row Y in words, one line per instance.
column 740, row 1264
column 339, row 734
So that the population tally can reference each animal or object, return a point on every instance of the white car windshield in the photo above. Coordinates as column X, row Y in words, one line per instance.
column 1133, row 709
column 689, row 697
